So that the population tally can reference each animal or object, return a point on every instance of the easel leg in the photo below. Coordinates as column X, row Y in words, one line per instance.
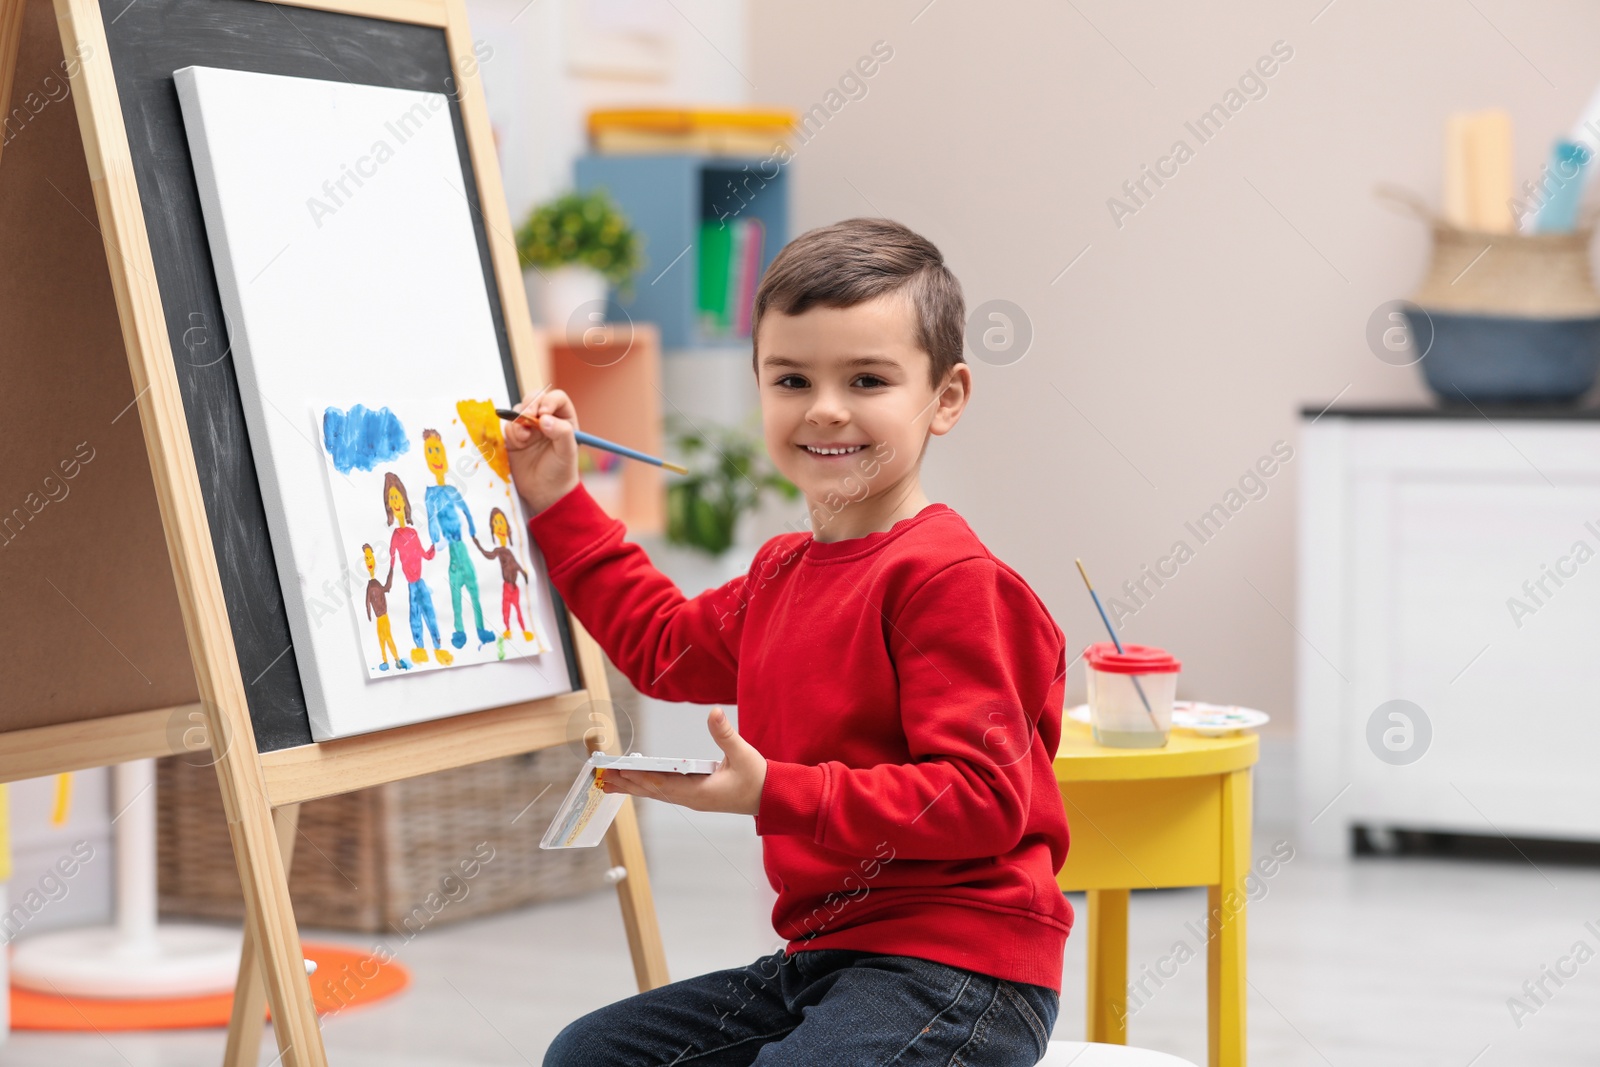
column 633, row 893
column 250, row 992
column 1225, row 951
column 257, row 844
column 1108, row 966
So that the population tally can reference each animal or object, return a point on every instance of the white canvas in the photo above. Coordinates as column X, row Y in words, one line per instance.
column 348, row 267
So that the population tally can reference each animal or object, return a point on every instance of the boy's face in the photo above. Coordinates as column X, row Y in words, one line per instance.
column 846, row 401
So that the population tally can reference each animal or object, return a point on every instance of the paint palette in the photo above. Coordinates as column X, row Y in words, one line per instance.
column 587, row 811
column 1207, row 720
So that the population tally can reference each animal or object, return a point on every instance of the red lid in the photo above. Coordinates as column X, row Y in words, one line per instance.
column 1133, row 659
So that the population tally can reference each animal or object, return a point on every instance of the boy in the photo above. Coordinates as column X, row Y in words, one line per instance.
column 899, row 693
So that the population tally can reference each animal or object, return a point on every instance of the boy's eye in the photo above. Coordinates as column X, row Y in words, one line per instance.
column 870, row 381
column 792, row 381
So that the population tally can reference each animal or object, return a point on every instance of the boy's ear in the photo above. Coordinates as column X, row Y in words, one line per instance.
column 950, row 399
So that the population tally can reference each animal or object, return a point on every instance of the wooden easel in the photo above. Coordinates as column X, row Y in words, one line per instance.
column 73, row 695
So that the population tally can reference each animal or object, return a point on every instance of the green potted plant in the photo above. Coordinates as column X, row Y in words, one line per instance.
column 578, row 244
column 729, row 474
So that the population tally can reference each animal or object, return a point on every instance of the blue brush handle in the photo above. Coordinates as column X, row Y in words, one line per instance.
column 1132, row 677
column 1105, row 620
column 611, row 446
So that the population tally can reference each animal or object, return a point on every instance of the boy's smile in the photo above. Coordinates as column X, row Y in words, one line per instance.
column 847, row 407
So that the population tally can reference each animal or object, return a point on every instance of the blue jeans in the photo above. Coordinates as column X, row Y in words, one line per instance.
column 819, row 1008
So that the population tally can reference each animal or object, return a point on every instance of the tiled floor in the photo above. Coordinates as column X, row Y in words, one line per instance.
column 1368, row 963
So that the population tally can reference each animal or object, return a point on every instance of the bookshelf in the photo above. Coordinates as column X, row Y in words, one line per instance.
column 667, row 198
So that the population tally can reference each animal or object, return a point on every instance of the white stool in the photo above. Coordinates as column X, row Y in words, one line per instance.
column 1084, row 1054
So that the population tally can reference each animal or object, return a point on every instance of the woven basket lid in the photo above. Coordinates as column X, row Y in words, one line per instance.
column 1538, row 275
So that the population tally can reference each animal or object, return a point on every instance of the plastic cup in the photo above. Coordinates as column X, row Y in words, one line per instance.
column 1130, row 694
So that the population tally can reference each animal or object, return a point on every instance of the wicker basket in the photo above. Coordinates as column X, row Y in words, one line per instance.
column 389, row 858
column 1504, row 317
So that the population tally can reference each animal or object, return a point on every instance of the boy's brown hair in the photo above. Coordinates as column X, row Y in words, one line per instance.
column 857, row 260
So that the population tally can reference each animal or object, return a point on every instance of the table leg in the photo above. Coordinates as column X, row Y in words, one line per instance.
column 1108, row 966
column 1225, row 951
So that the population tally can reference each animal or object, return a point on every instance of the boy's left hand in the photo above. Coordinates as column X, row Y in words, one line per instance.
column 734, row 787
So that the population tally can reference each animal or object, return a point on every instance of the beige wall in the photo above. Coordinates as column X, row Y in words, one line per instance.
column 1186, row 340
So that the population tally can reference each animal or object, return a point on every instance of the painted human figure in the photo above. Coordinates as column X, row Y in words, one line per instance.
column 378, row 608
column 405, row 544
column 510, row 570
column 446, row 509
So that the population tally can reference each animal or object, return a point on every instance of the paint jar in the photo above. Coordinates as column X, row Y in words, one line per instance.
column 1130, row 694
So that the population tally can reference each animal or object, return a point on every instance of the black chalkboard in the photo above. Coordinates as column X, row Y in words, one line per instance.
column 148, row 40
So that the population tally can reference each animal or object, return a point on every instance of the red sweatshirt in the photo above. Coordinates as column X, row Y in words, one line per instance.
column 906, row 689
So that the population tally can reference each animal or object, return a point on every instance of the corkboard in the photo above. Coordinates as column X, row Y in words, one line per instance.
column 92, row 626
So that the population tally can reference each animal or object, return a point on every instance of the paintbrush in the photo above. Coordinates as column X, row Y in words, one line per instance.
column 1134, row 678
column 601, row 443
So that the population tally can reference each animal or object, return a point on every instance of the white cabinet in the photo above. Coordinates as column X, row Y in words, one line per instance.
column 1452, row 562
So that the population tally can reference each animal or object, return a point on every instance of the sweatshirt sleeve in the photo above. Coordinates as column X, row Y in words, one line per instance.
column 980, row 664
column 671, row 647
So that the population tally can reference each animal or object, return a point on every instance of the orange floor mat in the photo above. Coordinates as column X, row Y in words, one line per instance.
column 345, row 979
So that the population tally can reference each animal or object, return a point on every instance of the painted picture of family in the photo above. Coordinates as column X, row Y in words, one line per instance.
column 439, row 551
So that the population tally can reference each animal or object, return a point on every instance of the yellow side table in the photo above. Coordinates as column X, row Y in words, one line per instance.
column 1158, row 818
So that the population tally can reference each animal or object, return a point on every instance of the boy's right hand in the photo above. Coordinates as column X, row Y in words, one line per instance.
column 543, row 457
